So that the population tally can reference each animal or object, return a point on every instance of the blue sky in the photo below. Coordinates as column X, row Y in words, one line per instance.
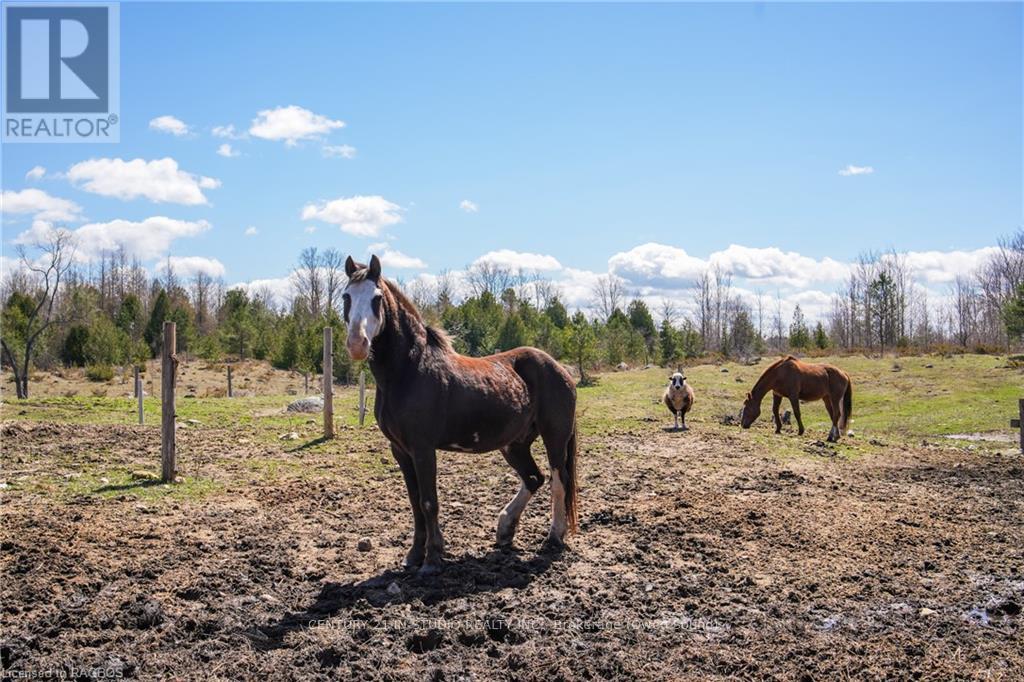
column 579, row 132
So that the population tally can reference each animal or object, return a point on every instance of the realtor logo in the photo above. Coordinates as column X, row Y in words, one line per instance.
column 61, row 73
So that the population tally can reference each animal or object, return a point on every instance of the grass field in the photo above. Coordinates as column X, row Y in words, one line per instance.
column 897, row 402
column 898, row 548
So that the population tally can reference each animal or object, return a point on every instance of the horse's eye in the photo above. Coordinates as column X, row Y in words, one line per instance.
column 375, row 304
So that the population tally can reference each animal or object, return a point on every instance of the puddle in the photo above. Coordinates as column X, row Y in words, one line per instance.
column 984, row 437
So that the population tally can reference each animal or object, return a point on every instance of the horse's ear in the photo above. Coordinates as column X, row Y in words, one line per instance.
column 374, row 273
column 350, row 266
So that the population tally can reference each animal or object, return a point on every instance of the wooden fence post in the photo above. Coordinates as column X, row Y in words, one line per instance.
column 362, row 396
column 328, row 383
column 230, row 392
column 1020, row 408
column 169, row 371
column 138, row 393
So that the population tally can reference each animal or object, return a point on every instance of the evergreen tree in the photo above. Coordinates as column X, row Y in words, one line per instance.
column 799, row 335
column 580, row 343
column 237, row 329
column 73, row 352
column 820, row 336
column 154, row 333
column 1013, row 315
column 642, row 322
column 513, row 333
column 668, row 339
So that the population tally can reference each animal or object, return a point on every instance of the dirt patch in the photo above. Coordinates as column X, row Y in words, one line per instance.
column 698, row 557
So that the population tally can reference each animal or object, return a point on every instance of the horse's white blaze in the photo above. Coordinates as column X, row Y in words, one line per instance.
column 509, row 516
column 363, row 324
column 559, row 524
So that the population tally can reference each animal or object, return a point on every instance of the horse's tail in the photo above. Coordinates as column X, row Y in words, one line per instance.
column 847, row 405
column 571, row 485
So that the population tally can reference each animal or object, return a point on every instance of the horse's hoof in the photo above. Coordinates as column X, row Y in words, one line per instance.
column 413, row 559
column 429, row 569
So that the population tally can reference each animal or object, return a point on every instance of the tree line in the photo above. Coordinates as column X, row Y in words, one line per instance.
column 111, row 313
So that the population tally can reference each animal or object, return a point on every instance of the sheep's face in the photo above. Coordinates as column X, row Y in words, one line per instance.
column 676, row 382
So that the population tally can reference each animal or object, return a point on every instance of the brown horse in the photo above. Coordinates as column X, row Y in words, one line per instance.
column 431, row 398
column 790, row 378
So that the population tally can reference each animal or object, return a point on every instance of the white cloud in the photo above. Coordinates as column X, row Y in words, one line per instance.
column 159, row 180
column 36, row 173
column 309, row 229
column 228, row 131
column 773, row 266
column 942, row 267
column 169, row 124
column 190, row 266
column 291, row 124
column 343, row 151
column 397, row 260
column 41, row 205
column 657, row 265
column 856, row 170
column 145, row 240
column 517, row 260
column 281, row 289
column 363, row 216
column 251, row 231
column 227, row 150
column 468, row 206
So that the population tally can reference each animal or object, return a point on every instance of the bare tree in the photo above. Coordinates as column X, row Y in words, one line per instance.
column 308, row 279
column 669, row 311
column 608, row 295
column 334, row 278
column 963, row 304
column 201, row 284
column 488, row 277
column 36, row 316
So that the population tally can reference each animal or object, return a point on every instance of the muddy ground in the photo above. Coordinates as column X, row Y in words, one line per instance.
column 697, row 558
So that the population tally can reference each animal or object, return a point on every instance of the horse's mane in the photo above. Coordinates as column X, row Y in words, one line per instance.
column 435, row 337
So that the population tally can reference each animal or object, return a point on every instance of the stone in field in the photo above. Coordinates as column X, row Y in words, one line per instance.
column 311, row 404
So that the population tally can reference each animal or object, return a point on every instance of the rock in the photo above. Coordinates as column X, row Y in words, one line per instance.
column 787, row 417
column 289, row 436
column 925, row 611
column 364, row 545
column 311, row 404
column 728, row 420
column 394, row 588
column 850, row 433
column 193, row 421
column 725, row 370
column 929, row 366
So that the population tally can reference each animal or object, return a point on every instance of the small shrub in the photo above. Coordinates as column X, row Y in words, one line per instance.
column 99, row 372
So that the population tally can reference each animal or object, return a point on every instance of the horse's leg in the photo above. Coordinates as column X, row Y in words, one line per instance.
column 795, row 402
column 519, row 458
column 837, row 406
column 426, row 479
column 776, row 402
column 556, row 444
column 833, row 413
column 415, row 556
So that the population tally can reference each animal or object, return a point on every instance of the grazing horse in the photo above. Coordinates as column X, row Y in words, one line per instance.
column 431, row 398
column 790, row 378
column 678, row 398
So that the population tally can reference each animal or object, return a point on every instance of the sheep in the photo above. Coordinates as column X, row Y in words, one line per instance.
column 678, row 398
